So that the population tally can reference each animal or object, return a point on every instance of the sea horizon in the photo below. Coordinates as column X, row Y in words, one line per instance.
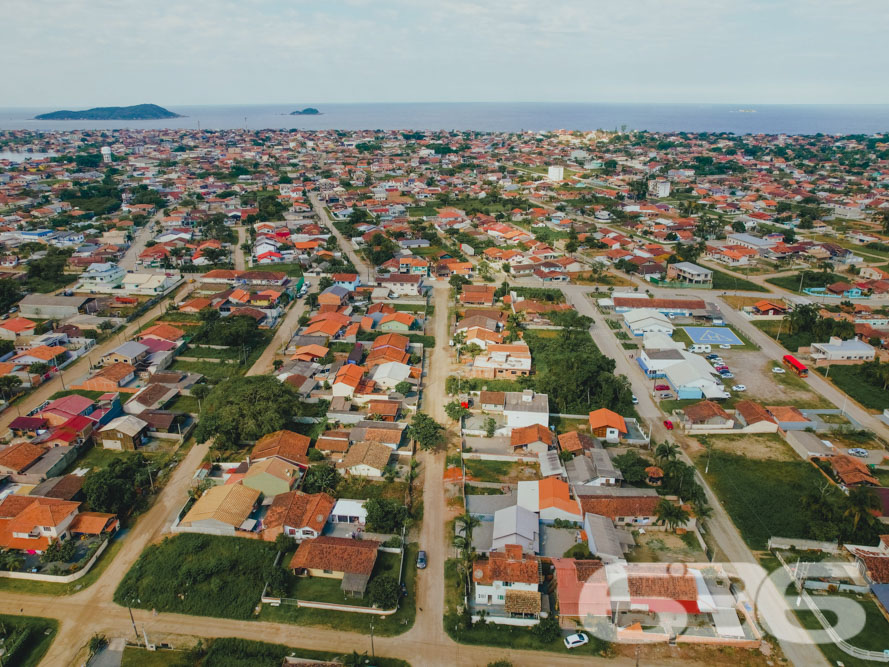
column 737, row 118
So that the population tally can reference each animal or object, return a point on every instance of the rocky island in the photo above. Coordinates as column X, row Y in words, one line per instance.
column 135, row 112
column 308, row 111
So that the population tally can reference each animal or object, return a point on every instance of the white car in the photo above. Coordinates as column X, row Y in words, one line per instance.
column 777, row 370
column 635, row 400
column 575, row 640
column 725, row 346
column 739, row 387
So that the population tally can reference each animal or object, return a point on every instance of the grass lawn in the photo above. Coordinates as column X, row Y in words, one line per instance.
column 472, row 490
column 26, row 639
column 489, row 634
column 361, row 488
column 214, row 372
column 726, row 281
column 184, row 404
column 231, row 652
column 415, row 308
column 859, row 387
column 396, row 624
column 204, row 352
column 140, row 657
column 791, row 341
column 792, row 282
column 322, row 589
column 873, row 637
column 490, row 471
column 881, row 474
column 294, row 269
column 761, row 496
column 79, row 392
column 199, row 574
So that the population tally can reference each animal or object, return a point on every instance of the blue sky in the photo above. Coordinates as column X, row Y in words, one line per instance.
column 76, row 53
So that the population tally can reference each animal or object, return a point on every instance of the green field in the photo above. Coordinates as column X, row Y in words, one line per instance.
column 791, row 341
column 859, row 387
column 726, row 281
column 26, row 639
column 762, row 496
column 816, row 279
column 213, row 371
column 202, row 575
column 873, row 637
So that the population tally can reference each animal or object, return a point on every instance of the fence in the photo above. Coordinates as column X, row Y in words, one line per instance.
column 803, row 545
column 59, row 579
column 839, row 642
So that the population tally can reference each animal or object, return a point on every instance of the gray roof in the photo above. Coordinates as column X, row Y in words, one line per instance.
column 526, row 401
column 550, row 464
column 664, row 354
column 692, row 268
column 602, row 537
column 487, row 505
column 517, row 520
column 52, row 300
column 127, row 424
column 130, row 349
column 337, row 290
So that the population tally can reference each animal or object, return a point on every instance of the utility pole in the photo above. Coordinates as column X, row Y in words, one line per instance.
column 133, row 621
column 372, row 654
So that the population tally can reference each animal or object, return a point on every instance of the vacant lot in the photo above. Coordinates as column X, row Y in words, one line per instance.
column 501, row 471
column 725, row 281
column 859, row 387
column 203, row 575
column 26, row 639
column 656, row 546
column 762, row 497
column 760, row 446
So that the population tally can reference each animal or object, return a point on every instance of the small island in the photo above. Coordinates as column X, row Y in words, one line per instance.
column 135, row 112
column 308, row 111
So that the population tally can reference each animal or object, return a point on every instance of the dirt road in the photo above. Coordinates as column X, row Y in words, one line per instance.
column 265, row 363
column 361, row 266
column 240, row 260
column 80, row 368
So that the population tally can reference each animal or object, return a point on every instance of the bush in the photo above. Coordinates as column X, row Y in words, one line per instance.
column 383, row 591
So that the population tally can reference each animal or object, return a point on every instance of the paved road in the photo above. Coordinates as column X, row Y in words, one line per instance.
column 265, row 363
column 80, row 368
column 720, row 524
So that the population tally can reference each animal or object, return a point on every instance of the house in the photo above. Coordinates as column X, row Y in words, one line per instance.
column 343, row 558
column 503, row 361
column 644, row 320
column 31, row 523
column 477, row 295
column 386, row 411
column 130, row 353
column 837, row 349
column 687, row 272
column 298, row 515
column 334, row 296
column 623, row 505
column 349, row 281
column 594, row 468
column 707, row 414
column 17, row 458
column 271, row 476
column 576, row 442
column 398, row 322
column 753, row 417
column 516, row 525
column 101, row 277
column 113, row 378
column 509, row 579
column 525, row 408
column 852, row 471
column 403, row 284
column 286, row 445
column 333, row 443
column 153, row 396
column 16, row 326
column 607, row 425
column 366, row 459
column 163, row 332
column 533, row 438
column 47, row 306
column 348, row 379
column 123, row 433
column 765, row 307
column 604, row 540
column 221, row 510
column 873, row 563
column 550, row 499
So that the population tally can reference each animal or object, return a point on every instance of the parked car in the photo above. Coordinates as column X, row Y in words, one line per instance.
column 727, row 375
column 421, row 560
column 777, row 370
column 721, row 367
column 665, row 396
column 668, row 424
column 725, row 346
column 859, row 452
column 712, row 356
column 635, row 400
column 739, row 387
column 662, row 387
column 575, row 640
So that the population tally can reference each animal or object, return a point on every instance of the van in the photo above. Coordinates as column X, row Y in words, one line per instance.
column 703, row 349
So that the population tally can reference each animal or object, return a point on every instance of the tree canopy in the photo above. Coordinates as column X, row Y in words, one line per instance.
column 245, row 409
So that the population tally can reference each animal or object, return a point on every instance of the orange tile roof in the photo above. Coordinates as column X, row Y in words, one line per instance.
column 605, row 417
column 286, row 444
column 163, row 331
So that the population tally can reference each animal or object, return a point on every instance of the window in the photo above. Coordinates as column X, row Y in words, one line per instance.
column 328, row 571
column 501, row 597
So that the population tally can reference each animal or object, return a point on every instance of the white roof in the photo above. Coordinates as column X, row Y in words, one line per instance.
column 647, row 316
column 655, row 340
column 529, row 496
column 392, row 370
column 516, row 520
column 349, row 507
column 127, row 424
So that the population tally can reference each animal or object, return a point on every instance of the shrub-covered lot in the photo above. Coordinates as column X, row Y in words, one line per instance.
column 26, row 639
column 203, row 575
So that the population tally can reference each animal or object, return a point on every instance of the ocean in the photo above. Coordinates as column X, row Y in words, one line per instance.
column 739, row 119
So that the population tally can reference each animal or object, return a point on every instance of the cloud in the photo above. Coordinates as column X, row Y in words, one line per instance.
column 84, row 52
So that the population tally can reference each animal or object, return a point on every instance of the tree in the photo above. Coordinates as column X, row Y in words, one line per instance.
column 670, row 514
column 200, row 392
column 283, row 542
column 548, row 629
column 860, row 504
column 385, row 515
column 404, row 387
column 426, row 431
column 97, row 643
column 666, row 451
column 8, row 386
column 355, row 659
column 456, row 282
column 490, row 427
column 455, row 411
column 384, row 591
column 245, row 409
column 321, row 477
column 116, row 489
column 632, row 466
column 9, row 293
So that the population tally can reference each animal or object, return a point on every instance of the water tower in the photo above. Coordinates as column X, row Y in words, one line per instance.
column 106, row 153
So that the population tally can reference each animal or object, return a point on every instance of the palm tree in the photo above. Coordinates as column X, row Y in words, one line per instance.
column 355, row 659
column 671, row 515
column 8, row 385
column 860, row 503
column 667, row 451
column 467, row 522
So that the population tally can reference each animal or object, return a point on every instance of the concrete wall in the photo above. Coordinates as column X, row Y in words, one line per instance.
column 59, row 579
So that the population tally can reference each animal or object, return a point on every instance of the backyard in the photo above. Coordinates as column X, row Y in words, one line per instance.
column 322, row 589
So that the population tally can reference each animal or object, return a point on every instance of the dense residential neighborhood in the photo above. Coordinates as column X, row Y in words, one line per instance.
column 470, row 389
